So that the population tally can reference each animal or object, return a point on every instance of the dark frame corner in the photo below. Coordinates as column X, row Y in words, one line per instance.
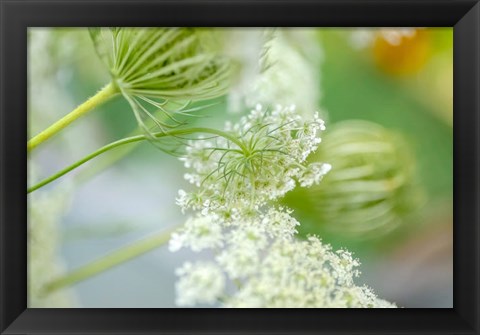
column 17, row 15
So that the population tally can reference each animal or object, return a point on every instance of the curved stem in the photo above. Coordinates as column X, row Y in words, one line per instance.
column 115, row 258
column 86, row 159
column 133, row 139
column 100, row 97
column 103, row 164
column 116, row 155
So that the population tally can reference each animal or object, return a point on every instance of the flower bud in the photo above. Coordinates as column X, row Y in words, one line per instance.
column 166, row 63
column 159, row 71
column 371, row 186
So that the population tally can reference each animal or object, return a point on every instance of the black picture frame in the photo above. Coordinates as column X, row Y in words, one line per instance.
column 17, row 15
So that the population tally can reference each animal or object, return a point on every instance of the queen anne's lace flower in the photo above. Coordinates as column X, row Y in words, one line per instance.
column 237, row 176
column 262, row 165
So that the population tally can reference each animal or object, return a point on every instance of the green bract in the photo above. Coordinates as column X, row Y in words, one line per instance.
column 154, row 66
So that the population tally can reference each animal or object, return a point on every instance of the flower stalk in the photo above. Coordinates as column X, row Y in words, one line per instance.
column 115, row 258
column 99, row 98
column 134, row 139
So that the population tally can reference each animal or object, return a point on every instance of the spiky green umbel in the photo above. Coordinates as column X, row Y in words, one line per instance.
column 155, row 66
column 158, row 71
column 371, row 186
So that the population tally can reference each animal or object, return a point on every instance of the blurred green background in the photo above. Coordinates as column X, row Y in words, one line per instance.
column 406, row 87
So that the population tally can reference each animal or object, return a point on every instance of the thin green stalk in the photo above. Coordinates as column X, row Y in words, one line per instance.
column 105, row 162
column 115, row 258
column 86, row 159
column 116, row 155
column 133, row 139
column 99, row 98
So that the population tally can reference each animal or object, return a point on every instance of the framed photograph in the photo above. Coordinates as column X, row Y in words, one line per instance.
column 239, row 167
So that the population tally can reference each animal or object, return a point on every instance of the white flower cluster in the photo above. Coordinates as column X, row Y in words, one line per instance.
column 269, row 266
column 305, row 274
column 237, row 176
column 197, row 234
column 262, row 164
column 199, row 283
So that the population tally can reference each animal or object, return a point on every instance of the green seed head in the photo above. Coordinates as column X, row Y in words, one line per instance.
column 371, row 187
column 159, row 71
column 165, row 63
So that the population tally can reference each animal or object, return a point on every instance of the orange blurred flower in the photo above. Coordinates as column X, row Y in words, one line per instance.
column 401, row 53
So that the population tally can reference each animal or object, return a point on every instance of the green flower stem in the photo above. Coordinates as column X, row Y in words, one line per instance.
column 106, row 262
column 86, row 159
column 99, row 98
column 110, row 159
column 134, row 139
column 116, row 155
